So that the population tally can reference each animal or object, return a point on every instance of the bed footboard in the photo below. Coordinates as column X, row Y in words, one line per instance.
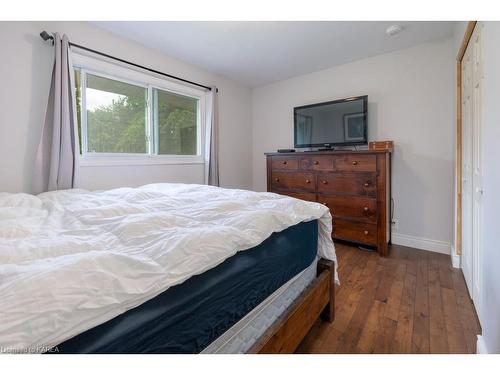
column 285, row 335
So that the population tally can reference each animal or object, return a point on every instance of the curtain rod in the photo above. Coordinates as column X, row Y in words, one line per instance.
column 46, row 36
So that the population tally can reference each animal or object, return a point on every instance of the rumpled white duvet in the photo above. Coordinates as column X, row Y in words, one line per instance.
column 73, row 259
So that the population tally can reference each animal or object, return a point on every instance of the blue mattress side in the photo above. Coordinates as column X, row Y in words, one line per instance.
column 187, row 317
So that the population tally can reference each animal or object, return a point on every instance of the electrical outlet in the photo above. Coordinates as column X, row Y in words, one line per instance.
column 394, row 224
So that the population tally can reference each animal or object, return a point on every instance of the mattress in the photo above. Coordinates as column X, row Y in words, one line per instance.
column 246, row 332
column 188, row 317
column 72, row 260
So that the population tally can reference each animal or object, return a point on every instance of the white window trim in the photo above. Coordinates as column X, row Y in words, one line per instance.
column 126, row 74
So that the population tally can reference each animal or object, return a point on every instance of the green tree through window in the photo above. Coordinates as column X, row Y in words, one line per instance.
column 117, row 118
column 175, row 121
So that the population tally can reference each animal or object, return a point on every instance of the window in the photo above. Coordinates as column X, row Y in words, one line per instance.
column 175, row 118
column 116, row 116
column 125, row 116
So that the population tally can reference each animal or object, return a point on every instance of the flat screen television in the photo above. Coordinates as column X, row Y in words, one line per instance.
column 336, row 123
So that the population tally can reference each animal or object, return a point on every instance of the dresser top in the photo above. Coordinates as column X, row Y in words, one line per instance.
column 336, row 152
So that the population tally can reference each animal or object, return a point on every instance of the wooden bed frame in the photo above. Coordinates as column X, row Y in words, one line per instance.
column 285, row 335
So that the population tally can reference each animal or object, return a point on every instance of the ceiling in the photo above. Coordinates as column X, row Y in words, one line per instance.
column 258, row 53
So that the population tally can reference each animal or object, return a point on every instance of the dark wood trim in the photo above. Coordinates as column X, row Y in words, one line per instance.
column 465, row 40
column 285, row 335
column 458, row 150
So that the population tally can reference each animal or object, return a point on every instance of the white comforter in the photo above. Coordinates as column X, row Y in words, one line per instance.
column 71, row 260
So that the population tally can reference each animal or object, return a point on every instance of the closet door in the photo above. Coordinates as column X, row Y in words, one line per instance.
column 477, row 165
column 467, row 195
column 472, row 191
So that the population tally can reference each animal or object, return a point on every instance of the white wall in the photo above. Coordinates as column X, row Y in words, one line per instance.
column 490, row 310
column 410, row 101
column 25, row 67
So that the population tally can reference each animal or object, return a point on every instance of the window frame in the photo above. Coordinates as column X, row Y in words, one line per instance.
column 123, row 73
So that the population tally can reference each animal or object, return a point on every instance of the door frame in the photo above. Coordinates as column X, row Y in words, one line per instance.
column 458, row 150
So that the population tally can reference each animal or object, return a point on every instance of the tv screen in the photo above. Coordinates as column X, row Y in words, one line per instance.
column 335, row 123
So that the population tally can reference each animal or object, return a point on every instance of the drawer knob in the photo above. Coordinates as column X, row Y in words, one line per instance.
column 326, row 204
column 324, row 182
column 316, row 162
column 284, row 162
column 354, row 162
column 277, row 179
column 308, row 181
column 367, row 183
column 365, row 208
column 366, row 233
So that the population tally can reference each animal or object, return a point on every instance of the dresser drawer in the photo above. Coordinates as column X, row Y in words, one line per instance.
column 355, row 163
column 353, row 207
column 317, row 163
column 355, row 231
column 348, row 183
column 311, row 197
column 284, row 162
column 297, row 181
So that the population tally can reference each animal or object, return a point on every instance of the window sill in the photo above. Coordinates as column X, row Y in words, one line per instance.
column 109, row 161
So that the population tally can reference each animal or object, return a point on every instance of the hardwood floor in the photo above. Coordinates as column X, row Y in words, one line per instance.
column 412, row 301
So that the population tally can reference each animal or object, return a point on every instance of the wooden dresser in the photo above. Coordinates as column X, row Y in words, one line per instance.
column 355, row 185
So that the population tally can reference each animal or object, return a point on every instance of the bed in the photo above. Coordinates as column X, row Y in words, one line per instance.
column 164, row 268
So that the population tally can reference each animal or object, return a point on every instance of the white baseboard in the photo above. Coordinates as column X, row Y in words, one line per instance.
column 421, row 243
column 481, row 346
column 455, row 258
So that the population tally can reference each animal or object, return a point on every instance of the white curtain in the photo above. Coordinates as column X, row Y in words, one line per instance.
column 212, row 140
column 56, row 164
